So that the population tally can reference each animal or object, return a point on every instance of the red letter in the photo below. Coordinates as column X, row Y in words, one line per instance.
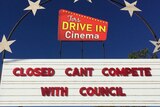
column 30, row 72
column 45, row 91
column 104, row 72
column 147, row 71
column 67, row 71
column 81, row 91
column 51, row 72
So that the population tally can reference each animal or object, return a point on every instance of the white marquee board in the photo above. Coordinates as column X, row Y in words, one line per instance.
column 26, row 91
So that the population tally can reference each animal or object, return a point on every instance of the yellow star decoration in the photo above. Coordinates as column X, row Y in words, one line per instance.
column 34, row 6
column 87, row 0
column 130, row 7
column 5, row 45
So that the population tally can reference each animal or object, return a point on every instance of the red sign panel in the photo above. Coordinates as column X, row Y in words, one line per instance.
column 77, row 27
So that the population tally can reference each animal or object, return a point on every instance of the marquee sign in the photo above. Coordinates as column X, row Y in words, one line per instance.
column 77, row 27
column 80, row 82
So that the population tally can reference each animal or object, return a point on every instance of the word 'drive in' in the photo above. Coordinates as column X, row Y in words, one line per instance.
column 77, row 27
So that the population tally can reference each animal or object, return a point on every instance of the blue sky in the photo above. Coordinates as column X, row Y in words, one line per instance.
column 36, row 37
